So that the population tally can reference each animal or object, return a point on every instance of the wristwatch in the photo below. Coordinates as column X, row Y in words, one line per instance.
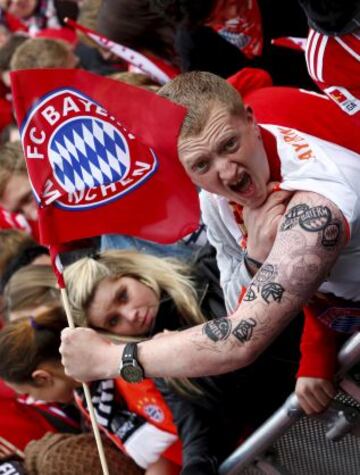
column 131, row 370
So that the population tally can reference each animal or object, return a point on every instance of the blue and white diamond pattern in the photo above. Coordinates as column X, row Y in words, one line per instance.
column 86, row 152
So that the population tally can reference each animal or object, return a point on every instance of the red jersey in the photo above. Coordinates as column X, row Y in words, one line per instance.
column 334, row 64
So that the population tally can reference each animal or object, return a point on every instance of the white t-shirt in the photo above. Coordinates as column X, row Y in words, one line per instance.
column 311, row 164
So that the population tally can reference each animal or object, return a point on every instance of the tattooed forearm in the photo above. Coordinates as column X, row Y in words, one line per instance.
column 250, row 294
column 269, row 292
column 244, row 330
column 218, row 329
column 306, row 247
column 266, row 273
column 272, row 292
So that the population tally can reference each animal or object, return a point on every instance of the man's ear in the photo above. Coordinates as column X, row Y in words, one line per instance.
column 249, row 115
column 42, row 378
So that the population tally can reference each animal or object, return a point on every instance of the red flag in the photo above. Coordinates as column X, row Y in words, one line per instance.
column 102, row 157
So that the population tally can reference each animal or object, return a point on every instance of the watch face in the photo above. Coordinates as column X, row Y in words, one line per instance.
column 132, row 374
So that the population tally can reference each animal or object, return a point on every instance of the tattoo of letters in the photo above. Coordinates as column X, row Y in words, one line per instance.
column 292, row 216
column 313, row 219
column 218, row 329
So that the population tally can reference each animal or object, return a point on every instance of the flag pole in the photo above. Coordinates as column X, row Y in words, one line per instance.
column 12, row 447
column 86, row 390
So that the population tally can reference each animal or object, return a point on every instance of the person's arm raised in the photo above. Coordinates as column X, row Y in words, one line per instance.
column 309, row 239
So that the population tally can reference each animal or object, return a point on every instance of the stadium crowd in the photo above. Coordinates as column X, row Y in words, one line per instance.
column 187, row 347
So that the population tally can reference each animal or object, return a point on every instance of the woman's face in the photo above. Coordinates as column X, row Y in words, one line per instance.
column 50, row 385
column 123, row 306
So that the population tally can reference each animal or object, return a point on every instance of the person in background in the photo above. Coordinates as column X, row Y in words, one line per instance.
column 225, row 36
column 36, row 15
column 40, row 53
column 144, row 432
column 15, row 189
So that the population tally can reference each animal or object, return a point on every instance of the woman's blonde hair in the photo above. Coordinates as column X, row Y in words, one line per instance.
column 31, row 286
column 163, row 275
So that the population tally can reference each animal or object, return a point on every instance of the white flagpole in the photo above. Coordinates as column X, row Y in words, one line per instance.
column 87, row 394
column 8, row 445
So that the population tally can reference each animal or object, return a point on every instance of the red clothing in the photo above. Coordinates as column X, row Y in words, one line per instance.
column 248, row 80
column 10, row 220
column 334, row 64
column 319, row 347
column 6, row 117
column 289, row 107
column 20, row 423
column 244, row 30
column 137, row 420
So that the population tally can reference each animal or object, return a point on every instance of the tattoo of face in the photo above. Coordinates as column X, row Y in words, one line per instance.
column 265, row 273
column 250, row 294
column 272, row 292
column 300, row 272
column 244, row 331
column 291, row 218
column 315, row 219
column 331, row 234
column 218, row 329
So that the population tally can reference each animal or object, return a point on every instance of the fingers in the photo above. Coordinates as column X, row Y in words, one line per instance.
column 314, row 394
column 329, row 389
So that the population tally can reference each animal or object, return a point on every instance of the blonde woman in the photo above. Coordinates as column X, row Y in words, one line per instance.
column 135, row 294
column 138, row 295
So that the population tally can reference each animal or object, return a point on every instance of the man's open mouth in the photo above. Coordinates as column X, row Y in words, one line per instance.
column 242, row 185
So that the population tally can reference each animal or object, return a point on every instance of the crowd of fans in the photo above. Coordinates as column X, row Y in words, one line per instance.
column 272, row 93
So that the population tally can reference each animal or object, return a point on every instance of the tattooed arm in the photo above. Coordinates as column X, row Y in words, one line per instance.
column 309, row 239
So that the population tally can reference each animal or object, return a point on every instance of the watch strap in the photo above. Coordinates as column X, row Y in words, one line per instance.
column 130, row 352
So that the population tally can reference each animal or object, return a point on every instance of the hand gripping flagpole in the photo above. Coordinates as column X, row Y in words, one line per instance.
column 57, row 267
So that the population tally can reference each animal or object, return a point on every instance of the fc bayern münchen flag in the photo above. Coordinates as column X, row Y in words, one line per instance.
column 102, row 157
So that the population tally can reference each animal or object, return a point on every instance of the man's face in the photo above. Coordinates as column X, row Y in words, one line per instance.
column 18, row 198
column 228, row 158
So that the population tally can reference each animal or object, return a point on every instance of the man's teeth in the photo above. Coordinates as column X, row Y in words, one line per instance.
column 242, row 184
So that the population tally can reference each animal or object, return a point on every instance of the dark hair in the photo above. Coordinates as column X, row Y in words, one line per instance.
column 27, row 342
column 135, row 24
column 192, row 12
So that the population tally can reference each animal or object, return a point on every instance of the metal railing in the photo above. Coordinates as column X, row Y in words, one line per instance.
column 284, row 418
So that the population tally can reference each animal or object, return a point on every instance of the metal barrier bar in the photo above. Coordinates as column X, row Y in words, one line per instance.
column 349, row 354
column 283, row 418
column 260, row 440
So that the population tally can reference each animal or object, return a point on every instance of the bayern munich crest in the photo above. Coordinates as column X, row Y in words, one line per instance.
column 91, row 159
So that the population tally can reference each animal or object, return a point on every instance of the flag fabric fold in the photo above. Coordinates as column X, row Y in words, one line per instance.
column 102, row 157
